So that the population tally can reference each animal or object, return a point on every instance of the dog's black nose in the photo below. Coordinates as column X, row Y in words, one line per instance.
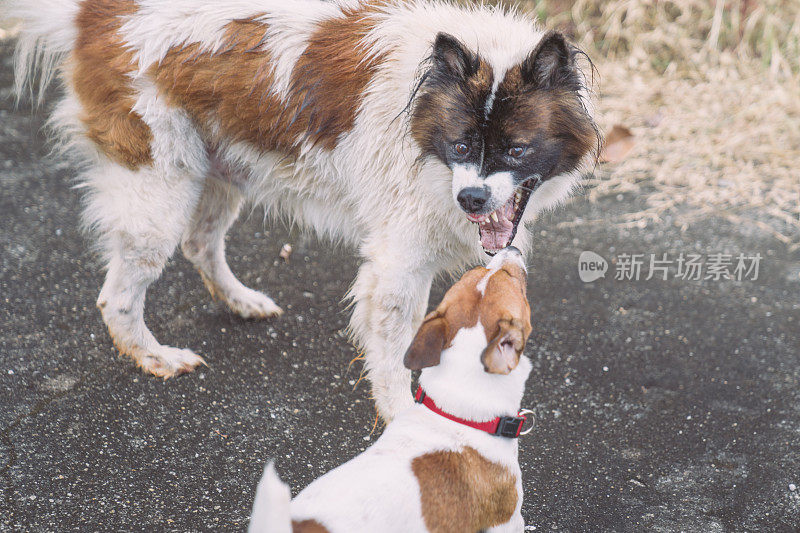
column 472, row 199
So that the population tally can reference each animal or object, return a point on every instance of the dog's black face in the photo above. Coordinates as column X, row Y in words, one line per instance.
column 502, row 138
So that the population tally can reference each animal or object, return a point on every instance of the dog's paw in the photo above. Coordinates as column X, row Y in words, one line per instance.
column 251, row 304
column 167, row 362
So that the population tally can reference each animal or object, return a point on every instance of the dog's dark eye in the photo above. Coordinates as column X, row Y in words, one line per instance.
column 461, row 149
column 516, row 152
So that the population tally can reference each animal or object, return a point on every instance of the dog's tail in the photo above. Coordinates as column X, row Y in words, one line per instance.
column 48, row 34
column 271, row 512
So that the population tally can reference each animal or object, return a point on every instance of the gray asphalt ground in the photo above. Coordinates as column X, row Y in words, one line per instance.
column 662, row 405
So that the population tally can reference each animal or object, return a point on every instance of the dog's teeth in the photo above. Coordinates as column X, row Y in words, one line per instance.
column 494, row 216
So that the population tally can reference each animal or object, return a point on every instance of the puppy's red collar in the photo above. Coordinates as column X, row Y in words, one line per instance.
column 502, row 426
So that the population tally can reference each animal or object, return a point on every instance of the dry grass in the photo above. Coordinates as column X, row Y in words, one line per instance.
column 711, row 89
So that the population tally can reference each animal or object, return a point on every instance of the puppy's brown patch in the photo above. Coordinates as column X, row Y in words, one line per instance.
column 232, row 87
column 100, row 80
column 463, row 491
column 503, row 300
column 308, row 526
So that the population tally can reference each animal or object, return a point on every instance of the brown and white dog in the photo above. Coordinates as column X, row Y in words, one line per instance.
column 401, row 127
column 439, row 465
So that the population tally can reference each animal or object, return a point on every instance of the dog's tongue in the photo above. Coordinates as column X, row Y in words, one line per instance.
column 496, row 234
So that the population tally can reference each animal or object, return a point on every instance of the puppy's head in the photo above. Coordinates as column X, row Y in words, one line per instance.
column 503, row 131
column 489, row 308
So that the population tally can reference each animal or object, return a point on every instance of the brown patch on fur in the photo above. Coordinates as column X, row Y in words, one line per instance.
column 463, row 491
column 537, row 106
column 331, row 77
column 555, row 113
column 503, row 301
column 451, row 111
column 308, row 526
column 100, row 80
column 233, row 86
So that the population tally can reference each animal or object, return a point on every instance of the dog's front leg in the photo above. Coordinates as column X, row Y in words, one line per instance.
column 390, row 297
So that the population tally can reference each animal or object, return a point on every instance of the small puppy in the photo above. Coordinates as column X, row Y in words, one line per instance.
column 423, row 133
column 448, row 463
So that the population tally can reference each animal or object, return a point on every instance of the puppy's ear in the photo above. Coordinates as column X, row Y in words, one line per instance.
column 452, row 58
column 551, row 64
column 502, row 354
column 426, row 348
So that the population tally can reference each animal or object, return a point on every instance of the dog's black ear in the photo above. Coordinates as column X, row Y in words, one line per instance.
column 551, row 64
column 426, row 348
column 451, row 57
column 502, row 354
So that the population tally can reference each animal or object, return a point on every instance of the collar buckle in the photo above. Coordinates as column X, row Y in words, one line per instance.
column 509, row 426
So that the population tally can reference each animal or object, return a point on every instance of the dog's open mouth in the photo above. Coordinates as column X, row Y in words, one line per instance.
column 498, row 229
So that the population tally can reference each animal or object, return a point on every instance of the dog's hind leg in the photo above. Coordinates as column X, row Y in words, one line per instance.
column 203, row 244
column 139, row 216
column 390, row 298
